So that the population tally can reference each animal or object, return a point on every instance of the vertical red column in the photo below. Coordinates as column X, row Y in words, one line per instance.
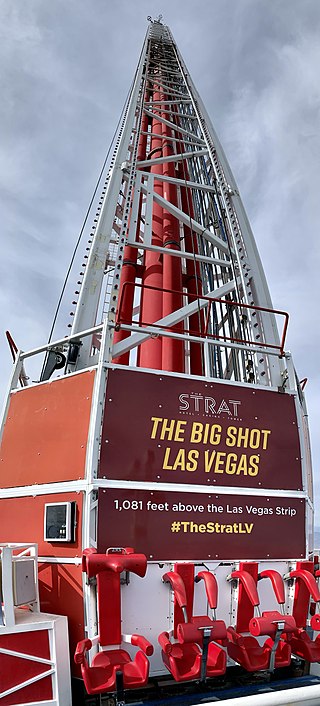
column 150, row 352
column 193, row 281
column 129, row 267
column 162, row 278
column 172, row 349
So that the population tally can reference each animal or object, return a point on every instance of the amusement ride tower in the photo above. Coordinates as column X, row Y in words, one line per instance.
column 172, row 225
column 171, row 419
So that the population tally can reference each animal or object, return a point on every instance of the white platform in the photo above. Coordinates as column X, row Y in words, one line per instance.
column 58, row 663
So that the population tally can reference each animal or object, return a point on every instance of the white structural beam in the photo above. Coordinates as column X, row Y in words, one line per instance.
column 175, row 127
column 86, row 311
column 172, row 139
column 168, row 89
column 190, row 222
column 149, row 104
column 182, row 254
column 172, row 319
column 183, row 182
column 171, row 158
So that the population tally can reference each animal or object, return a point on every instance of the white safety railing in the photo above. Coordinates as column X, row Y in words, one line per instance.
column 18, row 580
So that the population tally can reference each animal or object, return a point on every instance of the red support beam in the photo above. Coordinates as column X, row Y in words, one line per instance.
column 150, row 352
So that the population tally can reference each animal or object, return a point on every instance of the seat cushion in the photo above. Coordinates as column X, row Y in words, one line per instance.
column 108, row 658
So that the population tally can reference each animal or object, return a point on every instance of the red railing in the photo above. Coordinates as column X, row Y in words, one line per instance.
column 204, row 334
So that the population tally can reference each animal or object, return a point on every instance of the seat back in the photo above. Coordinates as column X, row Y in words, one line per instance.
column 107, row 569
column 305, row 588
column 248, row 599
column 186, row 572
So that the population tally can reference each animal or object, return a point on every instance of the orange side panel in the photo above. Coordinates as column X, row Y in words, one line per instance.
column 61, row 593
column 46, row 432
column 22, row 520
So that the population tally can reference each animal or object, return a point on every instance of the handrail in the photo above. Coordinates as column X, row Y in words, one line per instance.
column 75, row 337
column 211, row 300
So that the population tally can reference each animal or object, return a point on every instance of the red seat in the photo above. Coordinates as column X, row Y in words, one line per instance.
column 101, row 675
column 303, row 646
column 301, row 643
column 245, row 649
column 197, row 654
column 217, row 657
column 183, row 661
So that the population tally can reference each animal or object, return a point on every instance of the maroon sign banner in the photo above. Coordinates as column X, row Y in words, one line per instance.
column 174, row 430
column 198, row 526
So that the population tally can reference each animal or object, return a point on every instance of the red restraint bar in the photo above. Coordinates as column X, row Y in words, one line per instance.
column 309, row 581
column 211, row 587
column 304, row 581
column 248, row 584
column 177, row 586
column 277, row 583
column 268, row 623
column 191, row 632
column 197, row 655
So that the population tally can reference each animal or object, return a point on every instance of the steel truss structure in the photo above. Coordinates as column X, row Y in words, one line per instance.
column 188, row 291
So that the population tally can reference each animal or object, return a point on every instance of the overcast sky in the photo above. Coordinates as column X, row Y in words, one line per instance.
column 65, row 69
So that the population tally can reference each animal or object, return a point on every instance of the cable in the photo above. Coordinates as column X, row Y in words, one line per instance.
column 86, row 219
column 82, row 230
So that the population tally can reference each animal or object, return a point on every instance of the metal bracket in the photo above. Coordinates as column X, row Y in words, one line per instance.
column 280, row 628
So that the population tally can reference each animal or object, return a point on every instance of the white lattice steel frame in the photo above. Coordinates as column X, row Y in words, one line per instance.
column 227, row 253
